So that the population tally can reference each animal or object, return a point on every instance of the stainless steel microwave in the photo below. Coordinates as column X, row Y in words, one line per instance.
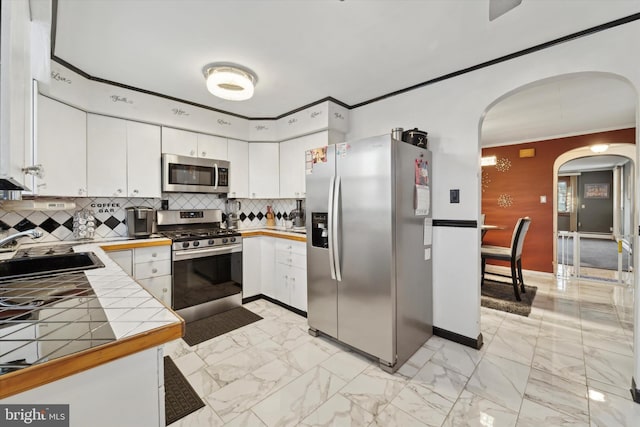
column 182, row 174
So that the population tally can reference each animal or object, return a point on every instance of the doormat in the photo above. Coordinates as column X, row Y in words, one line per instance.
column 210, row 327
column 180, row 399
column 500, row 296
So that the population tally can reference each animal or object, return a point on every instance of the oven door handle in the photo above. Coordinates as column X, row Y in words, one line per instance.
column 200, row 253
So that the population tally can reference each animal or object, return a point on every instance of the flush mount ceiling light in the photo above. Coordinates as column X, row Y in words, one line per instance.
column 230, row 81
column 599, row 148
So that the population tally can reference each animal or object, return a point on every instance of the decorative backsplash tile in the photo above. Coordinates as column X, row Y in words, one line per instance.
column 110, row 214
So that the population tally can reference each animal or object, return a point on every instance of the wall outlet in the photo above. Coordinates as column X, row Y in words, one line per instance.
column 454, row 196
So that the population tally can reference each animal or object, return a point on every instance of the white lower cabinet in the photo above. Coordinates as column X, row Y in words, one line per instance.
column 251, row 284
column 150, row 266
column 276, row 268
column 159, row 287
column 291, row 273
column 124, row 258
column 268, row 266
column 132, row 381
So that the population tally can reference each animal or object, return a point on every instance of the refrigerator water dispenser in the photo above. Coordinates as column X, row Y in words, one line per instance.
column 319, row 233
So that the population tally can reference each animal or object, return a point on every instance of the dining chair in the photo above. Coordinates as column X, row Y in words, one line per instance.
column 513, row 254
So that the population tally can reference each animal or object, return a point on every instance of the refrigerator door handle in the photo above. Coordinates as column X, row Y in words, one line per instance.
column 332, row 267
column 334, row 230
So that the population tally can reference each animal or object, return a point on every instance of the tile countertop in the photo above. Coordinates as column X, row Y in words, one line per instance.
column 280, row 232
column 111, row 318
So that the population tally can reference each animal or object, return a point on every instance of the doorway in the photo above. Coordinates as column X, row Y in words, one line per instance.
column 593, row 205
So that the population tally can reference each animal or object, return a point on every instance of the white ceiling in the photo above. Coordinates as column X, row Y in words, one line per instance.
column 306, row 50
column 600, row 162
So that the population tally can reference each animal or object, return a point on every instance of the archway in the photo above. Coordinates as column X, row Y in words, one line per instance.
column 620, row 231
column 521, row 183
column 563, row 304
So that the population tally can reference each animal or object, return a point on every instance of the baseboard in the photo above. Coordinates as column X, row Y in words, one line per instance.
column 251, row 299
column 635, row 393
column 460, row 339
column 275, row 301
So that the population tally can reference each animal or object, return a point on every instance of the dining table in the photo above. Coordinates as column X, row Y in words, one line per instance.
column 487, row 227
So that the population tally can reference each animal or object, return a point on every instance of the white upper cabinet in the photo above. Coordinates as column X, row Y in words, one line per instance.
column 180, row 142
column 193, row 144
column 238, row 156
column 106, row 156
column 123, row 158
column 292, row 163
column 264, row 171
column 61, row 149
column 16, row 46
column 212, row 147
column 143, row 160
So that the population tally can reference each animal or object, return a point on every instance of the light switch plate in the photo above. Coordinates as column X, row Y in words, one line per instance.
column 454, row 196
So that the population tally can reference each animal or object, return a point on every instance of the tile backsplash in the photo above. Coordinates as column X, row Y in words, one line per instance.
column 110, row 214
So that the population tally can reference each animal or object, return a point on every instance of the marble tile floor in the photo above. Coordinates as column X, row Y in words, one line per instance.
column 568, row 364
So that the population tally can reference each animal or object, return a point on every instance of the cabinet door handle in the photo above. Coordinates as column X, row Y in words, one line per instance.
column 135, row 191
column 154, row 270
column 293, row 279
column 154, row 255
column 164, row 290
column 204, row 153
column 81, row 191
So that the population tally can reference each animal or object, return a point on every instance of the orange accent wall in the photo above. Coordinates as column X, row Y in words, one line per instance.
column 525, row 181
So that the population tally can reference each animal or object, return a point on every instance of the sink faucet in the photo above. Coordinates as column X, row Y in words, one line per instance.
column 33, row 233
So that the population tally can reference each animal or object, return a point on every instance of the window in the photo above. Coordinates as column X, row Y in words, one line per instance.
column 564, row 196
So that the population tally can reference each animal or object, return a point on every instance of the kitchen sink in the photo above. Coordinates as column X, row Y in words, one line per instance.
column 17, row 268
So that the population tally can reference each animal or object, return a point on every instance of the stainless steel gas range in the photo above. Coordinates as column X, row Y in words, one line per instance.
column 207, row 262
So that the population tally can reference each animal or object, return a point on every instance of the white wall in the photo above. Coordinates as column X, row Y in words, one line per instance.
column 451, row 112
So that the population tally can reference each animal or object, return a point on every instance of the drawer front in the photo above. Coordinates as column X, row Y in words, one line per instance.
column 152, row 253
column 152, row 269
column 291, row 246
column 292, row 259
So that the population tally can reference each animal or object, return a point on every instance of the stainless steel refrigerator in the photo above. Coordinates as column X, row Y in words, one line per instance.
column 368, row 220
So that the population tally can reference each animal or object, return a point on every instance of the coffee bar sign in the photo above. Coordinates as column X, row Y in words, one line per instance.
column 105, row 207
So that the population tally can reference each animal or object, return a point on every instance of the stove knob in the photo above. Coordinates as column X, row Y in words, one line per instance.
column 185, row 245
column 196, row 243
column 211, row 241
column 233, row 239
column 225, row 240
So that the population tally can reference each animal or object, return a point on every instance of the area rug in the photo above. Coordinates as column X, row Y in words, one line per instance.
column 500, row 296
column 180, row 399
column 210, row 327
